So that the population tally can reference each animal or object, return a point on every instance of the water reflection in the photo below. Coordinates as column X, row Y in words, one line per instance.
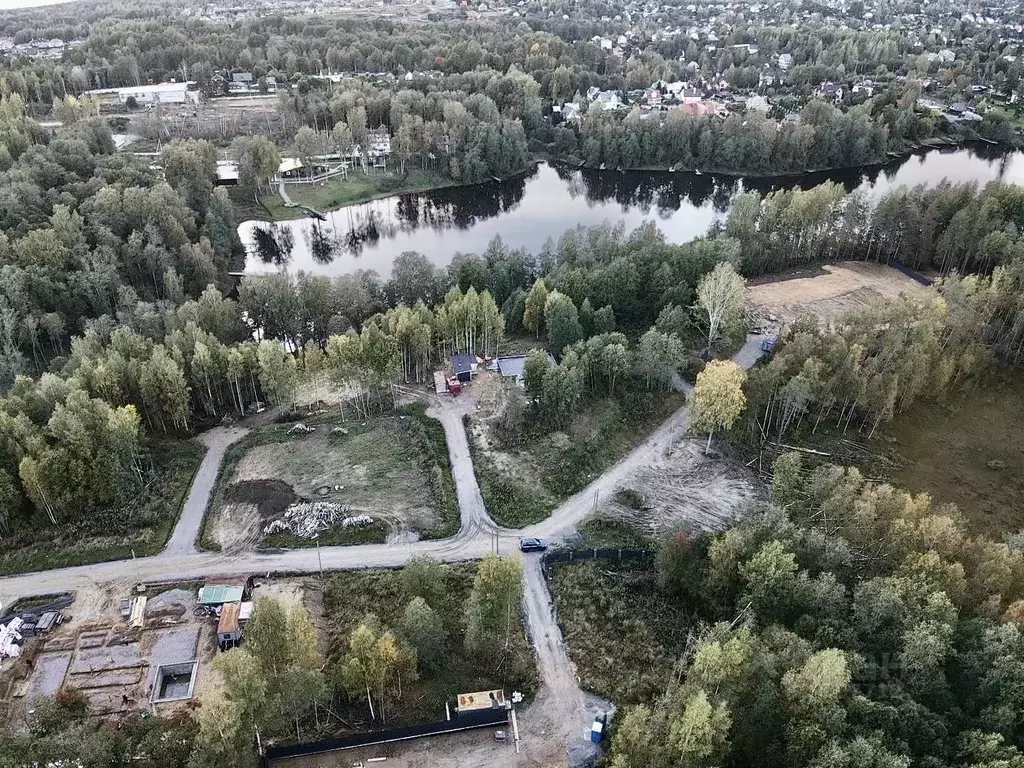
column 553, row 197
column 273, row 243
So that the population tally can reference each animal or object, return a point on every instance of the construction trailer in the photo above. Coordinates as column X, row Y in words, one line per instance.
column 229, row 628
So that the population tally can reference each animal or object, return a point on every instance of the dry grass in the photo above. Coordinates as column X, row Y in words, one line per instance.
column 970, row 452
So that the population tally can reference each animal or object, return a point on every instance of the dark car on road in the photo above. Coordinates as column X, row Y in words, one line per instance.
column 532, row 545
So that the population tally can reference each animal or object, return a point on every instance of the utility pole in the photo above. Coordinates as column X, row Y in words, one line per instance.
column 319, row 560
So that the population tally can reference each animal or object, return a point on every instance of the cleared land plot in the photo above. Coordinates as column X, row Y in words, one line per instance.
column 969, row 451
column 683, row 488
column 393, row 469
column 826, row 291
column 522, row 483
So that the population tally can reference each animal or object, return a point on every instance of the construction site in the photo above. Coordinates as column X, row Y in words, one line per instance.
column 155, row 657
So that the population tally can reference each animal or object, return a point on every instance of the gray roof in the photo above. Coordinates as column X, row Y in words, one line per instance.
column 512, row 366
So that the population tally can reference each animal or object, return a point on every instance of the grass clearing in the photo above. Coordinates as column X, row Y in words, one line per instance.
column 623, row 634
column 393, row 468
column 142, row 528
column 968, row 451
column 601, row 531
column 350, row 596
column 522, row 483
column 336, row 192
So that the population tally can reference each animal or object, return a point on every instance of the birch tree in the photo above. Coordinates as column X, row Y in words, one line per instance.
column 720, row 300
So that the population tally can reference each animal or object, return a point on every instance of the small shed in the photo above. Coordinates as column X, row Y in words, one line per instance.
column 463, row 367
column 229, row 631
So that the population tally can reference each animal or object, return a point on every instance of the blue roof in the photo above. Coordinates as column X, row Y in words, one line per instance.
column 463, row 363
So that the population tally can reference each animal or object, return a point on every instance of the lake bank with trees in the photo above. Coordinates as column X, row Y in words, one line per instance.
column 529, row 210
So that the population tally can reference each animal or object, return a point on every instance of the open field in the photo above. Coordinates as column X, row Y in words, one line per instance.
column 827, row 291
column 393, row 469
column 623, row 635
column 968, row 451
column 140, row 530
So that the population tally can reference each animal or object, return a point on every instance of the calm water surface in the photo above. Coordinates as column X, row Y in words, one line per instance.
column 552, row 198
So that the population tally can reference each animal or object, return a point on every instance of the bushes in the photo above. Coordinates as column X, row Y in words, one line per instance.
column 429, row 436
column 142, row 527
column 623, row 634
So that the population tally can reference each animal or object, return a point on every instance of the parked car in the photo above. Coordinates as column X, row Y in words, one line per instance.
column 532, row 545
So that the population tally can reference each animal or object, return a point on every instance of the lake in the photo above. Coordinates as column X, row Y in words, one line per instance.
column 553, row 197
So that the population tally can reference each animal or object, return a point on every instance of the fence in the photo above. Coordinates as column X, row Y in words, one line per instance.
column 607, row 553
column 481, row 719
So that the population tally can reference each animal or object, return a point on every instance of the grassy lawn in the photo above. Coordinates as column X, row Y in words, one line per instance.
column 393, row 468
column 622, row 633
column 335, row 193
column 142, row 528
column 968, row 451
column 522, row 483
column 350, row 596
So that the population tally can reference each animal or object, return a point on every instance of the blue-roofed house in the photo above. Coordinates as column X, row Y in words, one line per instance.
column 463, row 366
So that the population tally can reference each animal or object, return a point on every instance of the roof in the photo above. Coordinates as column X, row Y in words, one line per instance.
column 228, row 623
column 227, row 170
column 216, row 595
column 512, row 366
column 141, row 89
column 289, row 164
column 463, row 363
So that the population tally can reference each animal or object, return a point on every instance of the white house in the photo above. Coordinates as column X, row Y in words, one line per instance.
column 161, row 93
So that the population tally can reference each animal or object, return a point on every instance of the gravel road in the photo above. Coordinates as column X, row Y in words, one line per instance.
column 217, row 441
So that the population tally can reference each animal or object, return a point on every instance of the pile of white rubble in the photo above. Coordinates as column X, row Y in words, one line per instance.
column 306, row 519
column 10, row 639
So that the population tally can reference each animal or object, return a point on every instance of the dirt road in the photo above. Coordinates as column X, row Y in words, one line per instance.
column 180, row 560
column 183, row 538
column 560, row 719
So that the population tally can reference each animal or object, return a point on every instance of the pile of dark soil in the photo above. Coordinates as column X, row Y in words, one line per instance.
column 271, row 497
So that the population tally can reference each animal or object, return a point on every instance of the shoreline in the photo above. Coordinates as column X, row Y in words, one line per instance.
column 278, row 213
column 936, row 143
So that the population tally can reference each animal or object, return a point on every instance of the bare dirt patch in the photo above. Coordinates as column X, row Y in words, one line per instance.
column 826, row 291
column 368, row 468
column 684, row 487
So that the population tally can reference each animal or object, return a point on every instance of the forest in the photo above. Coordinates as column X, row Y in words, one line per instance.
column 479, row 99
column 115, row 322
column 845, row 623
